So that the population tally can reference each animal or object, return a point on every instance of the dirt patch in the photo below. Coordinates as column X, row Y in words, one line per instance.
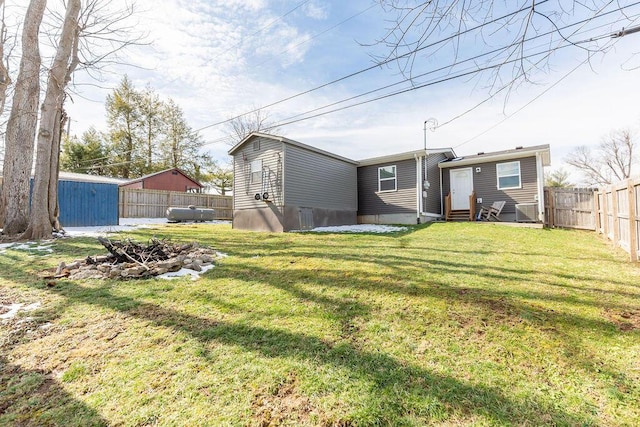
column 283, row 406
column 625, row 320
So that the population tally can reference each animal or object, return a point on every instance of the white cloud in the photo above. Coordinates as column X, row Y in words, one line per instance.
column 213, row 58
column 316, row 10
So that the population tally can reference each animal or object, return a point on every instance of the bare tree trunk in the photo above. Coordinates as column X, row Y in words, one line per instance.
column 21, row 127
column 54, row 208
column 64, row 63
column 5, row 80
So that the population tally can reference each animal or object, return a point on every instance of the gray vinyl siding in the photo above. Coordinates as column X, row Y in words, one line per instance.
column 243, row 190
column 315, row 180
column 432, row 204
column 372, row 202
column 485, row 184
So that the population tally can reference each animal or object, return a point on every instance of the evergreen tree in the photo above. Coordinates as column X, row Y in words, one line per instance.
column 85, row 155
column 123, row 119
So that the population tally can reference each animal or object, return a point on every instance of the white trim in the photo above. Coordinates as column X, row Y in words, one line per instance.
column 451, row 184
column 442, row 195
column 236, row 147
column 251, row 171
column 395, row 179
column 498, row 176
column 418, row 186
column 489, row 157
column 392, row 158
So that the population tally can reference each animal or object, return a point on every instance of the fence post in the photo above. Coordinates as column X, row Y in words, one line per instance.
column 633, row 242
column 596, row 209
column 552, row 207
column 125, row 206
column 616, row 222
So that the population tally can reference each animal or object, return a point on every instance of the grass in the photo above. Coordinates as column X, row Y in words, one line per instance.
column 446, row 324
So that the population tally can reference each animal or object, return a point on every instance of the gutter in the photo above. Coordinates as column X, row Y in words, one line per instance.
column 441, row 194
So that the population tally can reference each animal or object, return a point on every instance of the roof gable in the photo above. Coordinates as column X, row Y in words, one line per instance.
column 288, row 141
column 162, row 172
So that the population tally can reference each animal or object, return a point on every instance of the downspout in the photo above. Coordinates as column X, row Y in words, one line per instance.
column 441, row 195
column 424, row 180
column 540, row 183
column 418, row 191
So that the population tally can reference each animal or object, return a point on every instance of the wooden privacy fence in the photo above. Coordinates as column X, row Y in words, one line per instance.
column 613, row 212
column 570, row 208
column 140, row 203
column 618, row 215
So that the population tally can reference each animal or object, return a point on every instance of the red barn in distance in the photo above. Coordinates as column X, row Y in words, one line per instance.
column 168, row 180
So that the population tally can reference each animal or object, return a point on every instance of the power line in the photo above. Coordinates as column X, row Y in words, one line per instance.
column 378, row 65
column 451, row 66
column 452, row 77
column 292, row 119
column 582, row 23
column 315, row 36
column 540, row 94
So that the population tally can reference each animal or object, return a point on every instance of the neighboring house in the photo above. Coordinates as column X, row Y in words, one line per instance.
column 514, row 176
column 282, row 185
column 401, row 188
column 168, row 180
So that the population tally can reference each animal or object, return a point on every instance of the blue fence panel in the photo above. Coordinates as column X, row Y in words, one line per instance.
column 84, row 204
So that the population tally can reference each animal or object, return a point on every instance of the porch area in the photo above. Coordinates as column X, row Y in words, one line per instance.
column 460, row 215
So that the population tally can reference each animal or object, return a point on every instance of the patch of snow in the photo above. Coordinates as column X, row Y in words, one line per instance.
column 125, row 224
column 359, row 228
column 185, row 272
column 14, row 309
column 27, row 246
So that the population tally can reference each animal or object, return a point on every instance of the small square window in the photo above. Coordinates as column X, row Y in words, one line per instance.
column 387, row 180
column 256, row 171
column 256, row 145
column 508, row 175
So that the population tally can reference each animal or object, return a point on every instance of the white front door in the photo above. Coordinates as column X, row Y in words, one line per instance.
column 461, row 188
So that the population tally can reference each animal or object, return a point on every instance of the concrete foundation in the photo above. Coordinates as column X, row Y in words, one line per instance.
column 267, row 218
column 404, row 218
column 286, row 218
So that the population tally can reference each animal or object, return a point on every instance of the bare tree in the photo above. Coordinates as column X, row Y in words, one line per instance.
column 44, row 204
column 21, row 127
column 257, row 121
column 613, row 160
column 88, row 36
column 509, row 41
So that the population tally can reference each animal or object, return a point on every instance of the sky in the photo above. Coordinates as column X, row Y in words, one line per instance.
column 221, row 58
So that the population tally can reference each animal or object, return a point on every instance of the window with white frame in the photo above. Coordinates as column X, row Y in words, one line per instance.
column 256, row 171
column 387, row 179
column 508, row 175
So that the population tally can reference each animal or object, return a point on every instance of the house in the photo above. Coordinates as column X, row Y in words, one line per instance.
column 281, row 185
column 515, row 176
column 401, row 188
column 169, row 180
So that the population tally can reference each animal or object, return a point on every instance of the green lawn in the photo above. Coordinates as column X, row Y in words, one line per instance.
column 447, row 324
